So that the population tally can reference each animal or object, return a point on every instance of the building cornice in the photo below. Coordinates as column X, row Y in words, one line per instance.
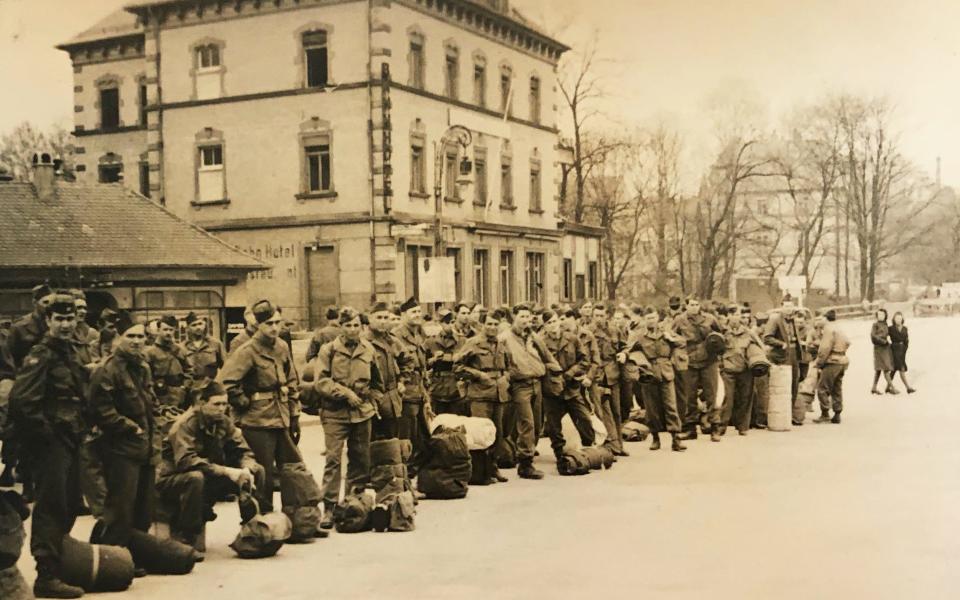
column 128, row 46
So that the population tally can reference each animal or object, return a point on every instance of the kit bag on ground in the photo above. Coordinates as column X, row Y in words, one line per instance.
column 353, row 514
column 262, row 535
column 94, row 567
column 599, row 457
column 447, row 472
column 300, row 496
column 13, row 586
column 573, row 462
column 481, row 432
column 634, row 432
column 160, row 557
column 394, row 510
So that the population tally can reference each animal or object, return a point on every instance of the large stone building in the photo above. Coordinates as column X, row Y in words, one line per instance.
column 307, row 133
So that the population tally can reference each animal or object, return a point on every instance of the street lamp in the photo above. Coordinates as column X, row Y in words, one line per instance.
column 461, row 136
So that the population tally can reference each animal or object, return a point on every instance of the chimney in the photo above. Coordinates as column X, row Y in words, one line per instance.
column 44, row 173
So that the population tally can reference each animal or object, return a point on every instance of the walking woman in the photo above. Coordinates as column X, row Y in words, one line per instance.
column 899, row 342
column 882, row 353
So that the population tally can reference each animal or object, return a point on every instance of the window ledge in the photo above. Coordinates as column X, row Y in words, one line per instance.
column 453, row 200
column 536, row 211
column 329, row 195
column 204, row 203
column 510, row 207
column 419, row 195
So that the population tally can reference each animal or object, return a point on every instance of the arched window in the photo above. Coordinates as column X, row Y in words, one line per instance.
column 208, row 69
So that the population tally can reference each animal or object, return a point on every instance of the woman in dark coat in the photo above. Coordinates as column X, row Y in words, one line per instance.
column 882, row 354
column 899, row 342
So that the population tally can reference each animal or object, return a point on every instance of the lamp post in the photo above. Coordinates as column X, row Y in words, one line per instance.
column 461, row 136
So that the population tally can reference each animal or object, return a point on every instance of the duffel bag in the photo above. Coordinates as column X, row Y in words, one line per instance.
column 262, row 536
column 634, row 432
column 13, row 512
column 402, row 512
column 481, row 432
column 573, row 463
column 385, row 452
column 13, row 586
column 298, row 487
column 160, row 557
column 446, row 482
column 599, row 457
column 95, row 568
column 303, row 523
column 352, row 515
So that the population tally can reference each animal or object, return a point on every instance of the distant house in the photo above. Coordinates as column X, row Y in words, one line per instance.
column 126, row 250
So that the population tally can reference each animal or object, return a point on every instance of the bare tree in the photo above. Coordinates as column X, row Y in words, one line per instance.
column 18, row 146
column 581, row 87
column 882, row 191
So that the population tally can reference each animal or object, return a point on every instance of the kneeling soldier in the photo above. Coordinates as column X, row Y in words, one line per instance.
column 47, row 406
column 204, row 458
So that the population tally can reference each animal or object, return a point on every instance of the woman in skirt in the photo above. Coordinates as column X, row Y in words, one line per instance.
column 899, row 341
column 882, row 354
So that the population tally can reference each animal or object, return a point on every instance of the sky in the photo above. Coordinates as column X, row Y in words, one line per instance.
column 662, row 59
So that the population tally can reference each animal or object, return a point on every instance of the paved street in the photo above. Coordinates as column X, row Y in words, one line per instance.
column 867, row 509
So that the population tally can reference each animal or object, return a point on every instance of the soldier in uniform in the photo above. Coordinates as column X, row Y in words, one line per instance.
column 264, row 393
column 204, row 353
column 563, row 392
column 464, row 327
column 832, row 361
column 525, row 365
column 205, row 457
column 106, row 334
column 250, row 328
column 123, row 403
column 737, row 378
column 325, row 334
column 417, row 409
column 388, row 355
column 85, row 337
column 169, row 367
column 347, row 379
column 480, row 363
column 703, row 373
column 609, row 357
column 783, row 339
column 47, row 411
column 440, row 348
column 29, row 329
column 657, row 342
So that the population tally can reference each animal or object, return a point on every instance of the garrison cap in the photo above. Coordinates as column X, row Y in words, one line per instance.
column 169, row 320
column 380, row 307
column 41, row 291
column 445, row 315
column 263, row 310
column 124, row 321
column 192, row 318
column 410, row 303
column 62, row 304
column 347, row 314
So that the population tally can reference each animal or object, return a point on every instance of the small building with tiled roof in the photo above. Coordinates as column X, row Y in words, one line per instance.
column 126, row 250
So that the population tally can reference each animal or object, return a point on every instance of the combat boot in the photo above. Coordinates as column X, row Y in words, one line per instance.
column 526, row 470
column 654, row 441
column 690, row 434
column 327, row 521
column 823, row 418
column 49, row 585
column 715, row 434
column 677, row 445
column 836, row 418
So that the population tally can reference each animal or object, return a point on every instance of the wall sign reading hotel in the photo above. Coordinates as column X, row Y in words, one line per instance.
column 283, row 257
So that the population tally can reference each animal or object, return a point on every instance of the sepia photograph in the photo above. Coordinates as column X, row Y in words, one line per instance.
column 479, row 299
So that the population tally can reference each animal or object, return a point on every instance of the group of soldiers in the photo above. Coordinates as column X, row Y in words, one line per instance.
column 122, row 415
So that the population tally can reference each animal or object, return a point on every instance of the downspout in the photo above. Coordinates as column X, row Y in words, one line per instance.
column 373, row 195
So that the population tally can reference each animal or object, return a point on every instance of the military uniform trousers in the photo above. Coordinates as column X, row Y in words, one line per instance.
column 555, row 408
column 629, row 389
column 705, row 381
column 187, row 498
column 519, row 419
column 737, row 405
column 413, row 426
column 58, row 498
column 680, row 393
column 130, row 498
column 830, row 388
column 609, row 413
column 356, row 436
column 271, row 447
column 661, row 402
column 761, row 399
column 493, row 410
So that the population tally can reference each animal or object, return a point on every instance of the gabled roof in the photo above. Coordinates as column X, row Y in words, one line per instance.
column 119, row 23
column 104, row 226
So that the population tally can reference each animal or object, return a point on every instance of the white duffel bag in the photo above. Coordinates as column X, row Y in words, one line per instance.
column 481, row 432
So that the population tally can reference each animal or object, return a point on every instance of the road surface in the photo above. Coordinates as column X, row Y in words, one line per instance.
column 869, row 509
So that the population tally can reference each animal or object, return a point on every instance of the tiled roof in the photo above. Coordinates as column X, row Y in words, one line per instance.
column 118, row 23
column 103, row 226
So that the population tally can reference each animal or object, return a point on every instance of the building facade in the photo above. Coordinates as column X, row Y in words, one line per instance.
column 310, row 133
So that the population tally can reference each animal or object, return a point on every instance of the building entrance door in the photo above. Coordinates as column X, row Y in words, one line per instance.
column 324, row 282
